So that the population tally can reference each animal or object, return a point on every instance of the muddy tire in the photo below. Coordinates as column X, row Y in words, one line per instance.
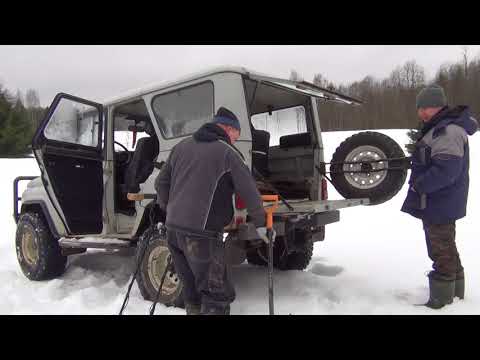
column 38, row 252
column 379, row 185
column 299, row 259
column 152, row 268
column 254, row 259
column 296, row 260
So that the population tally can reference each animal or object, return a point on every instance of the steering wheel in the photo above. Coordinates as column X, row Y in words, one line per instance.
column 129, row 154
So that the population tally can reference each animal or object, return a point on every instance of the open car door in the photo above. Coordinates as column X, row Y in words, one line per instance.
column 68, row 147
column 306, row 88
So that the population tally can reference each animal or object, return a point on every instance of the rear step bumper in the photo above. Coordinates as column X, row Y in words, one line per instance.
column 248, row 231
column 318, row 206
column 91, row 243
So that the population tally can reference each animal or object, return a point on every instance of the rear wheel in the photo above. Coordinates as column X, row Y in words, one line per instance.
column 298, row 259
column 38, row 252
column 152, row 268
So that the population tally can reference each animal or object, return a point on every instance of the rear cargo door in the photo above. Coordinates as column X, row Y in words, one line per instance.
column 68, row 147
column 306, row 88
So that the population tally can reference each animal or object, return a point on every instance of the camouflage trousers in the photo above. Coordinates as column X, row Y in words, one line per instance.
column 200, row 263
column 442, row 250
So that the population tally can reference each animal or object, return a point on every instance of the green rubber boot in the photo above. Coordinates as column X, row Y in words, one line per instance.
column 460, row 285
column 441, row 292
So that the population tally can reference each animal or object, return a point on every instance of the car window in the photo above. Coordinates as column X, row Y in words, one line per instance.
column 126, row 139
column 282, row 122
column 184, row 111
column 73, row 122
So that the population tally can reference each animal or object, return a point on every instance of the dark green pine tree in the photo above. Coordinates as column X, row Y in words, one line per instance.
column 5, row 108
column 16, row 129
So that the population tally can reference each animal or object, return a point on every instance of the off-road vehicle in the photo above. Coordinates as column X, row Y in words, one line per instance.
column 95, row 157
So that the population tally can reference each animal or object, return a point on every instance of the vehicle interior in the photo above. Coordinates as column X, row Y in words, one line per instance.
column 283, row 139
column 136, row 148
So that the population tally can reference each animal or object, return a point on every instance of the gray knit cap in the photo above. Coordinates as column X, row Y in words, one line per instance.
column 430, row 97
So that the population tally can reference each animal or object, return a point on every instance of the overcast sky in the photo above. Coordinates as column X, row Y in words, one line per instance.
column 99, row 72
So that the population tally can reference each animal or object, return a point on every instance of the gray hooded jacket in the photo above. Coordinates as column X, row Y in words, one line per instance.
column 197, row 183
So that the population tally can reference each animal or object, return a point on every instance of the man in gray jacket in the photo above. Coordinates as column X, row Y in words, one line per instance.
column 195, row 188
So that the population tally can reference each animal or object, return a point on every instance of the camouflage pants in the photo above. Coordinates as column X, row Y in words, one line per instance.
column 200, row 264
column 442, row 250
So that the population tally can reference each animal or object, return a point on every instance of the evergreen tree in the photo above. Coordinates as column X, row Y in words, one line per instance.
column 15, row 129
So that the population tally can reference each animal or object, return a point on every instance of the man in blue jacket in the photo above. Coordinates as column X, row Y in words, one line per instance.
column 439, row 188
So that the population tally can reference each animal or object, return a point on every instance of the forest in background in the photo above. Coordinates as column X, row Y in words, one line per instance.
column 389, row 103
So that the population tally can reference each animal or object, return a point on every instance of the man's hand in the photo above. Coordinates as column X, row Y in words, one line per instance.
column 262, row 233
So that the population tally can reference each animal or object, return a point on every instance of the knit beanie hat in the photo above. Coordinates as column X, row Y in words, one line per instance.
column 431, row 97
column 226, row 117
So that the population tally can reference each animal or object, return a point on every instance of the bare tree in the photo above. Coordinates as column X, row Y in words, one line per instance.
column 320, row 80
column 295, row 76
column 414, row 74
column 409, row 76
column 32, row 100
column 465, row 60
column 19, row 97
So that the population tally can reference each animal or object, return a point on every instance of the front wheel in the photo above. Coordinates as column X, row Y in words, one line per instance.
column 38, row 252
column 152, row 268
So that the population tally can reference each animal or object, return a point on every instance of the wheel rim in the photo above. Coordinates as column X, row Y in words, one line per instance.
column 365, row 180
column 29, row 246
column 157, row 262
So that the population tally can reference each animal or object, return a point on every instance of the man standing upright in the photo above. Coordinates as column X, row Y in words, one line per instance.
column 196, row 188
column 439, row 188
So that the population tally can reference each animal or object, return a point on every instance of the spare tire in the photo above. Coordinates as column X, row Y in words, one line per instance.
column 367, row 179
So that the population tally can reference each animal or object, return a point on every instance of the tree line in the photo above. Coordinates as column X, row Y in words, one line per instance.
column 389, row 103
column 19, row 118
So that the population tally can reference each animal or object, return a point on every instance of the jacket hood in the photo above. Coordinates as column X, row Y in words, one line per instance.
column 210, row 132
column 461, row 116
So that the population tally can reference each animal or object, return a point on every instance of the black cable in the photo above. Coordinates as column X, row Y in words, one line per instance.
column 366, row 161
column 147, row 236
column 140, row 260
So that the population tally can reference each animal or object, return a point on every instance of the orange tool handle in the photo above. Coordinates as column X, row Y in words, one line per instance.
column 270, row 209
column 270, row 198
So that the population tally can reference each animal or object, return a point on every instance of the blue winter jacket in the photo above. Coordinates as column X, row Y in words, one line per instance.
column 439, row 179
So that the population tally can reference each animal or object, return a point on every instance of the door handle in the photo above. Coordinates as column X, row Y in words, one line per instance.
column 80, row 166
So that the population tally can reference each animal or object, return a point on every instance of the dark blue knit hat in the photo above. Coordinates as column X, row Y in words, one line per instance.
column 226, row 117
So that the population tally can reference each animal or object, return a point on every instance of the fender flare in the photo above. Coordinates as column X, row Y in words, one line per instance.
column 34, row 205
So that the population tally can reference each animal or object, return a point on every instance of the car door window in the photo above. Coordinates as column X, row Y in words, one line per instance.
column 74, row 122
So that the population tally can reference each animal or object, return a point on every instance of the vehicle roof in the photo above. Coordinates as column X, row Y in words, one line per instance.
column 162, row 85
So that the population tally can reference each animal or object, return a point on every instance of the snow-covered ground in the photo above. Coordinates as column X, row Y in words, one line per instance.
column 373, row 261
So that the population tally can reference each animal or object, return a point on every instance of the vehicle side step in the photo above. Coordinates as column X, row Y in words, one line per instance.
column 95, row 243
